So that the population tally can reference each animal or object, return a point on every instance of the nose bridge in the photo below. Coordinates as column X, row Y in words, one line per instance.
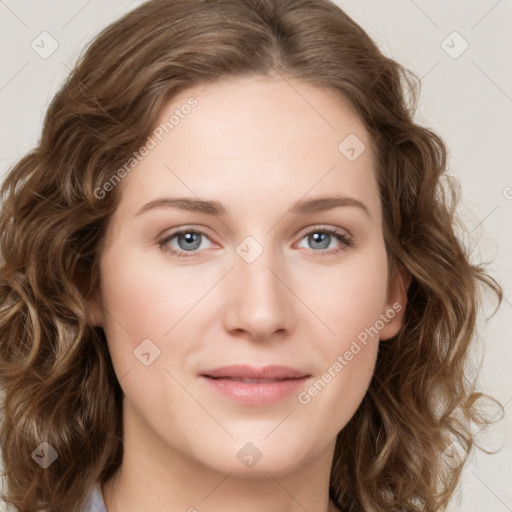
column 258, row 300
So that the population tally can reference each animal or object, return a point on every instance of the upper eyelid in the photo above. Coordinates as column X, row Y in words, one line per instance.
column 186, row 229
column 325, row 227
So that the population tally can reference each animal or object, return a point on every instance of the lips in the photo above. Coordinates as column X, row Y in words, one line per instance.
column 250, row 373
column 248, row 385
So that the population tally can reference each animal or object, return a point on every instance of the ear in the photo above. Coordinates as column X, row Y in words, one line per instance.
column 91, row 296
column 94, row 311
column 396, row 302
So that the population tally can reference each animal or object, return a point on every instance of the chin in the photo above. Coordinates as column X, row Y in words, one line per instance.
column 256, row 457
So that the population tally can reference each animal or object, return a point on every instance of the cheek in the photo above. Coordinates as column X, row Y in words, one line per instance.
column 146, row 297
column 352, row 310
column 140, row 317
column 353, row 298
column 131, row 309
column 149, row 302
column 348, row 356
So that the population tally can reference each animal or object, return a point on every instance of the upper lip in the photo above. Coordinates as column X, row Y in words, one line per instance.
column 244, row 371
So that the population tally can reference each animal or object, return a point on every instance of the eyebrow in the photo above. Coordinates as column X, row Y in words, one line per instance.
column 301, row 207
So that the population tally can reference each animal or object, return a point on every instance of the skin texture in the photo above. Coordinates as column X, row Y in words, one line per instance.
column 257, row 145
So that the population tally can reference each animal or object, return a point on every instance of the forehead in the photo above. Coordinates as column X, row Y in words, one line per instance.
column 255, row 142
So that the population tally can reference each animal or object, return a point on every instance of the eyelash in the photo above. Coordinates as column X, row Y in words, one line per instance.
column 345, row 241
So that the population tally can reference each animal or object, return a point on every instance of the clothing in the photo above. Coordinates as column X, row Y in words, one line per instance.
column 94, row 502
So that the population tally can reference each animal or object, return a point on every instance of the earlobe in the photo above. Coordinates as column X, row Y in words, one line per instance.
column 397, row 301
column 94, row 312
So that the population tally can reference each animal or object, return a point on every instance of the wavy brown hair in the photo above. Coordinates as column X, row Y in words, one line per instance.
column 56, row 375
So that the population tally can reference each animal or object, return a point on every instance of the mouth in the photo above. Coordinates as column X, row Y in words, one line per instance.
column 250, row 385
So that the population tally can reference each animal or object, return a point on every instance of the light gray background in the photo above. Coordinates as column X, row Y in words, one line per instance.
column 467, row 100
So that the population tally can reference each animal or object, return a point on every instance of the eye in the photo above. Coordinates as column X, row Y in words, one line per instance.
column 320, row 240
column 188, row 241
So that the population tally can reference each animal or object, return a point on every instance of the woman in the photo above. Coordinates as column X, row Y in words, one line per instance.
column 231, row 278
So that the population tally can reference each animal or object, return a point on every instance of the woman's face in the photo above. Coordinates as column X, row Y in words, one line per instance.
column 264, row 274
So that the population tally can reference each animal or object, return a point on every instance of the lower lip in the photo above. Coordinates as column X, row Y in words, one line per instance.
column 256, row 393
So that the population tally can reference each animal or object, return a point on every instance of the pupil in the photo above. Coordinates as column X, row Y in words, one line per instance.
column 317, row 237
column 191, row 238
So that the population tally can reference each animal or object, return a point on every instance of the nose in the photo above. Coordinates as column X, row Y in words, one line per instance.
column 260, row 303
